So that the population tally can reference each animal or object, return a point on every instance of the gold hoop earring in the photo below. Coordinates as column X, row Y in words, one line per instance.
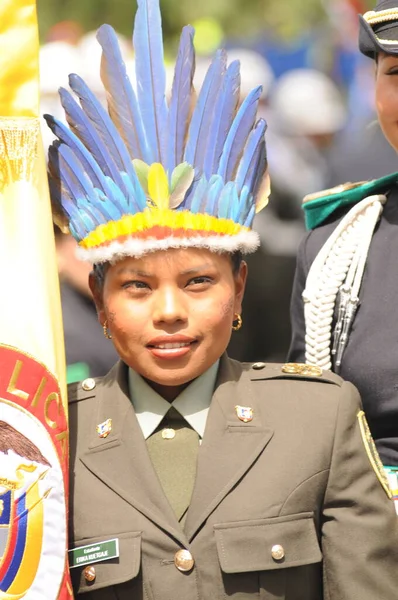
column 237, row 322
column 106, row 330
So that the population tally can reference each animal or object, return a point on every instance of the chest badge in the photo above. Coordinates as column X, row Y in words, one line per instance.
column 104, row 429
column 244, row 413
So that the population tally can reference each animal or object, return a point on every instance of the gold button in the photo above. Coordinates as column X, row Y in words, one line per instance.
column 88, row 384
column 302, row 369
column 168, row 434
column 311, row 371
column 292, row 368
column 89, row 574
column 277, row 552
column 183, row 560
column 258, row 366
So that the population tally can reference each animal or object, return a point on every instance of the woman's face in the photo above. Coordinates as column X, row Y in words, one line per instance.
column 387, row 97
column 170, row 313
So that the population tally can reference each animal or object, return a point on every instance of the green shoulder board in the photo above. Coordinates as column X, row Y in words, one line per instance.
column 318, row 207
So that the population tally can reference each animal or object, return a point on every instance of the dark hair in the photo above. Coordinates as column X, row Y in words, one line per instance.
column 100, row 270
column 236, row 260
column 99, row 274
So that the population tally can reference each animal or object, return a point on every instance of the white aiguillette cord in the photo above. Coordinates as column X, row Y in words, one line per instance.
column 336, row 275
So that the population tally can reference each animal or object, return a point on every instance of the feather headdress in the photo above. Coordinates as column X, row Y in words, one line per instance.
column 149, row 175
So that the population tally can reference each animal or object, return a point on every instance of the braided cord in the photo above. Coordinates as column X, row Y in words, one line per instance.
column 338, row 270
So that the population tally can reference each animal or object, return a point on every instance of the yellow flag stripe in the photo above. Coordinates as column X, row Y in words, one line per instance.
column 19, row 52
column 30, row 306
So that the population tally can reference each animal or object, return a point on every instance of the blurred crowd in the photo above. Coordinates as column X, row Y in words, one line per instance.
column 321, row 132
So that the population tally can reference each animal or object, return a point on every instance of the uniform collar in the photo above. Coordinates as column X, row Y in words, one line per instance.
column 193, row 403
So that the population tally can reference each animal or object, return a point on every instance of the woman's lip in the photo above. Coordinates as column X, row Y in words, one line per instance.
column 172, row 353
column 170, row 339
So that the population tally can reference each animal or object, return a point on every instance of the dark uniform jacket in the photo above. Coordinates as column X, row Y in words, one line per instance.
column 286, row 506
column 370, row 360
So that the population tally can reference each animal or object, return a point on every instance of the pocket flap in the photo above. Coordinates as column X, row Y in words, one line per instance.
column 264, row 544
column 113, row 571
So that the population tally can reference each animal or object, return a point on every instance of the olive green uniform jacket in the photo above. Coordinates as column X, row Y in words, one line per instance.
column 297, row 475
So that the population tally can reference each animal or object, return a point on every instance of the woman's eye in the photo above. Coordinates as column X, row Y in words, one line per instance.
column 200, row 280
column 393, row 71
column 135, row 285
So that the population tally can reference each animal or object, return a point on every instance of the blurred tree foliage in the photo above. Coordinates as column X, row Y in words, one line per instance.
column 238, row 18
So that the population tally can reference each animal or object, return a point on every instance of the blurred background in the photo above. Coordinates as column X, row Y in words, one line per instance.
column 318, row 102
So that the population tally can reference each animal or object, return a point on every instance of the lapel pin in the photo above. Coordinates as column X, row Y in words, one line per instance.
column 244, row 413
column 104, row 429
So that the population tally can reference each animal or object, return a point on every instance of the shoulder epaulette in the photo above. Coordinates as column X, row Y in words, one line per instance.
column 320, row 206
column 83, row 389
column 262, row 371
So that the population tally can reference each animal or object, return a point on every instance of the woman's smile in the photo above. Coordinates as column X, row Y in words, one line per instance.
column 171, row 347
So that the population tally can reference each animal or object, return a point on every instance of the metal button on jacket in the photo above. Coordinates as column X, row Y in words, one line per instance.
column 88, row 384
column 89, row 574
column 277, row 552
column 258, row 365
column 168, row 434
column 184, row 561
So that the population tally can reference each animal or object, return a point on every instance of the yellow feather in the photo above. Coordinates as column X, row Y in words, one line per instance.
column 158, row 186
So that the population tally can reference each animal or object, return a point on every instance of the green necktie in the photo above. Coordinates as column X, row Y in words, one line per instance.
column 173, row 449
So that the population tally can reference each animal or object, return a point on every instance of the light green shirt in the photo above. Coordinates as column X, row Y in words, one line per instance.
column 193, row 403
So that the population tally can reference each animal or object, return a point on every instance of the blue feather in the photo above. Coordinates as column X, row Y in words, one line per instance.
column 100, row 181
column 77, row 231
column 73, row 173
column 224, row 202
column 224, row 113
column 246, row 172
column 70, row 139
column 216, row 185
column 95, row 213
column 122, row 103
column 196, row 200
column 80, row 187
column 200, row 127
column 234, row 205
column 69, row 188
column 70, row 191
column 137, row 196
column 85, row 218
column 249, row 219
column 83, row 128
column 103, row 124
column 246, row 201
column 237, row 136
column 260, row 168
column 91, row 216
column 151, row 77
column 77, row 226
column 180, row 102
column 117, row 207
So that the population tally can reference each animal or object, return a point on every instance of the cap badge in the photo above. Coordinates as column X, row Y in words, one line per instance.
column 104, row 429
column 244, row 413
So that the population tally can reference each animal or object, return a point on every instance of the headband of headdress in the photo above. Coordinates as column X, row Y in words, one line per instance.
column 149, row 175
column 379, row 29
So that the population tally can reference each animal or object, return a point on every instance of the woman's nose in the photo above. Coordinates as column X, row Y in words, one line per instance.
column 169, row 306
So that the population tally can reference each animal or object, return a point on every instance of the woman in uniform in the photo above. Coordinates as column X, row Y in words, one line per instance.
column 342, row 311
column 193, row 476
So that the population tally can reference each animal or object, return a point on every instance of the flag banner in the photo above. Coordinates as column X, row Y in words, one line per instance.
column 33, row 417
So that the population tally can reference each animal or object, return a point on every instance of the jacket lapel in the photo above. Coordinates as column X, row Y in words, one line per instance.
column 121, row 460
column 229, row 447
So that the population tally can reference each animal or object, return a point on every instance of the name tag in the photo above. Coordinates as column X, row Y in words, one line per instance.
column 93, row 553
